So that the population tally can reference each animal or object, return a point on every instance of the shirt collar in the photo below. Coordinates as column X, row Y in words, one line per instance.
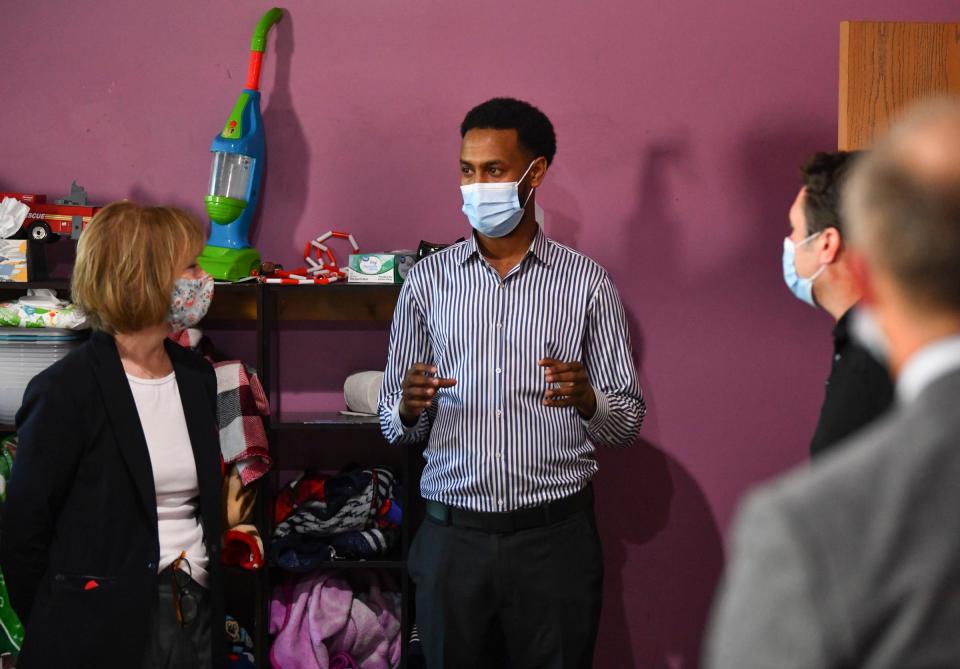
column 539, row 248
column 841, row 331
column 468, row 250
column 926, row 366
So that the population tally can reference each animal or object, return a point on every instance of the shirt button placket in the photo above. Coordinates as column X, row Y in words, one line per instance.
column 499, row 385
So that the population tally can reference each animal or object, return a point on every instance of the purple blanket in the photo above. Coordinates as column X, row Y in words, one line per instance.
column 320, row 623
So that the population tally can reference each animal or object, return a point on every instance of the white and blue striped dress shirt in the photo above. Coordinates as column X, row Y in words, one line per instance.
column 492, row 445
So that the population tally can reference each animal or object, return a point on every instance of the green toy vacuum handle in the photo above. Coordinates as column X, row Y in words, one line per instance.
column 259, row 41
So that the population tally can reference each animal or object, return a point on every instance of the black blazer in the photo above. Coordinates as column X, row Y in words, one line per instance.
column 81, row 505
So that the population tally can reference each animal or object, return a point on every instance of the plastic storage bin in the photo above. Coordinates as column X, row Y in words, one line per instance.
column 24, row 353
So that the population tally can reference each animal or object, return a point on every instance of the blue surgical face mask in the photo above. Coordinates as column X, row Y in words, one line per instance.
column 494, row 209
column 801, row 287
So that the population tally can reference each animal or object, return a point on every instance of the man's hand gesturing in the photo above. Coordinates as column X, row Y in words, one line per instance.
column 420, row 384
column 573, row 388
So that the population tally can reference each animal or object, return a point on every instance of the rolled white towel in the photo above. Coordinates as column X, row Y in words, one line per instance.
column 361, row 392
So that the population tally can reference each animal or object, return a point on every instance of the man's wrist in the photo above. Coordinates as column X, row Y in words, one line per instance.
column 589, row 408
column 408, row 419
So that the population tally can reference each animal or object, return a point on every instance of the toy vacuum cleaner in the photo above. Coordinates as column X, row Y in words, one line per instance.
column 237, row 173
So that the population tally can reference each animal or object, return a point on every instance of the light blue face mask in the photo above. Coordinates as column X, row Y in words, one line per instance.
column 801, row 287
column 494, row 209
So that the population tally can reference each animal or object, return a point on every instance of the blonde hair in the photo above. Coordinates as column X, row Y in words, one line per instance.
column 128, row 259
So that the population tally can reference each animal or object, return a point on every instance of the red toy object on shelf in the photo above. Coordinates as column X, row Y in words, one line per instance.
column 297, row 278
column 68, row 216
column 315, row 250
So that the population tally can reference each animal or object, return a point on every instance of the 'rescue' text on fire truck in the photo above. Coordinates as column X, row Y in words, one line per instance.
column 68, row 216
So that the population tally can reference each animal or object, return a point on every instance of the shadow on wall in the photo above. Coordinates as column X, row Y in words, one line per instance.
column 771, row 155
column 663, row 552
column 654, row 232
column 663, row 555
column 766, row 161
column 563, row 216
column 286, row 182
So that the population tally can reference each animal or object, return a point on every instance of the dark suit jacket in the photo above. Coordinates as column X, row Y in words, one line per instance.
column 81, row 505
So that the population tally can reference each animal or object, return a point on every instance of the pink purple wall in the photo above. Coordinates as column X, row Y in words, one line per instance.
column 680, row 124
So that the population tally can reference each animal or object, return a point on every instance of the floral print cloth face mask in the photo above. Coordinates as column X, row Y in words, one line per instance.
column 190, row 301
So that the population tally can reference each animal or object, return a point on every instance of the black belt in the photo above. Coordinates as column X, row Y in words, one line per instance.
column 511, row 521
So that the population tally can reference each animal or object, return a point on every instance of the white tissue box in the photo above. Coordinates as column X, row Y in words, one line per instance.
column 379, row 267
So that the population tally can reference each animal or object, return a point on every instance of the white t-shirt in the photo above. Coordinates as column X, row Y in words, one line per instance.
column 174, row 472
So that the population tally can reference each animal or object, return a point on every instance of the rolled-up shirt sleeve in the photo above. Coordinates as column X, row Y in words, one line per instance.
column 608, row 358
column 409, row 344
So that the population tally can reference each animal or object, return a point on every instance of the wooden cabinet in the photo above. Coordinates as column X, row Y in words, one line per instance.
column 887, row 66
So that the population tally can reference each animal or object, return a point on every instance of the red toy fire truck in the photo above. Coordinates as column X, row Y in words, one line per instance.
column 68, row 216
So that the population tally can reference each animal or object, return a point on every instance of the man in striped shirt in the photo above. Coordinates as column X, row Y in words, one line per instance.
column 510, row 356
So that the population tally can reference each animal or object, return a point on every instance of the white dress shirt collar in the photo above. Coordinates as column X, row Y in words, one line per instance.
column 926, row 366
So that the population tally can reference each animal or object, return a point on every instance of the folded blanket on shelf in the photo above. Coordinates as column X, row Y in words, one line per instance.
column 348, row 516
column 303, row 553
column 343, row 661
column 42, row 311
column 346, row 501
column 320, row 622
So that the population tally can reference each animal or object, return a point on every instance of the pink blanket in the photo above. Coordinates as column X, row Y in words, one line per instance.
column 320, row 622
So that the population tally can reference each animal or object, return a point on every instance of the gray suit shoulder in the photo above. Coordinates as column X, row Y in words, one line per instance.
column 875, row 528
column 881, row 474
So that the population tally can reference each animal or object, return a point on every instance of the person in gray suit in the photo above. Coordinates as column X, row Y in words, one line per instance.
column 855, row 560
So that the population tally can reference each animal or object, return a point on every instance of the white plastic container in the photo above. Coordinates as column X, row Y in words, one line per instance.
column 24, row 353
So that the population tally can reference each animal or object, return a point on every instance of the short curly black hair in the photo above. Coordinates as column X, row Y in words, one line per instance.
column 823, row 177
column 534, row 129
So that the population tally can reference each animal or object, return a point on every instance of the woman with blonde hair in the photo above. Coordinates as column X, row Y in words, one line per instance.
column 111, row 530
